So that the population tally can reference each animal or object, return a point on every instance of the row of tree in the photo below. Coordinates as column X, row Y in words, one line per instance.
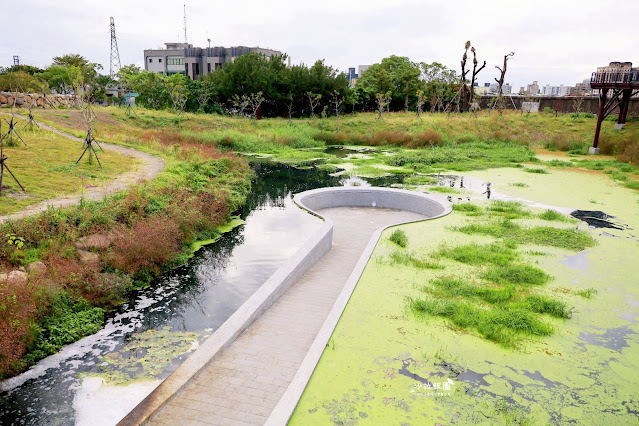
column 255, row 84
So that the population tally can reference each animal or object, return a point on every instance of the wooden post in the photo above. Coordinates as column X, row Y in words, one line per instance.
column 603, row 96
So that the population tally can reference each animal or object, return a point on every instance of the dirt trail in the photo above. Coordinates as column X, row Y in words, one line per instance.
column 150, row 166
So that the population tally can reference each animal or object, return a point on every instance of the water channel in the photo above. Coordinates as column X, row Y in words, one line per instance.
column 193, row 300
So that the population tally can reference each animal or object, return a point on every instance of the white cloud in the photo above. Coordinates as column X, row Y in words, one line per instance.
column 554, row 41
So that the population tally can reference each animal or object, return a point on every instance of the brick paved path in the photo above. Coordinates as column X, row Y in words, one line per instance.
column 243, row 384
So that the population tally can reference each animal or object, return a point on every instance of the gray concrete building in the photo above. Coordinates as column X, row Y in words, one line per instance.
column 195, row 62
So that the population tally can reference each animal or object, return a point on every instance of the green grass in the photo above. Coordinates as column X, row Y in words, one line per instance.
column 536, row 170
column 443, row 189
column 519, row 184
column 407, row 259
column 509, row 209
column 502, row 324
column 552, row 215
column 566, row 238
column 468, row 208
column 587, row 293
column 632, row 185
column 46, row 169
column 476, row 254
column 517, row 274
column 447, row 287
column 399, row 237
column 546, row 305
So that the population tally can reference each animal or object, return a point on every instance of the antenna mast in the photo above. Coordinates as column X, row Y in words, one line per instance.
column 115, row 53
column 185, row 39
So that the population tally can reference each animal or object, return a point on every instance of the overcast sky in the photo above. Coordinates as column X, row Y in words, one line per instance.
column 555, row 41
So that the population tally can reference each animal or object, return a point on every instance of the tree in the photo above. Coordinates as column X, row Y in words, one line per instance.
column 313, row 100
column 476, row 71
column 176, row 88
column 22, row 81
column 88, row 69
column 383, row 100
column 421, row 99
column 500, row 82
column 396, row 76
column 63, row 79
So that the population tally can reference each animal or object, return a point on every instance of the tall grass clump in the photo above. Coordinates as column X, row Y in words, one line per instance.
column 407, row 259
column 399, row 237
column 517, row 274
column 476, row 254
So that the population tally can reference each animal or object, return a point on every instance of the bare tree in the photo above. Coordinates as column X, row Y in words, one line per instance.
column 421, row 100
column 499, row 103
column 177, row 93
column 577, row 105
column 203, row 96
column 337, row 100
column 313, row 101
column 476, row 71
column 383, row 100
column 289, row 106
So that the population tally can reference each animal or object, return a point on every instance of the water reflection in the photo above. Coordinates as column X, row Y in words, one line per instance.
column 197, row 297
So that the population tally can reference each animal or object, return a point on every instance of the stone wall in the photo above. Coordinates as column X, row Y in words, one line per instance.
column 36, row 100
column 562, row 104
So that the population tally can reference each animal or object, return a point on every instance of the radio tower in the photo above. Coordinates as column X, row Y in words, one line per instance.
column 185, row 39
column 115, row 53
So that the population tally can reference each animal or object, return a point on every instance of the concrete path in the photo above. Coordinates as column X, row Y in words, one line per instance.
column 243, row 384
column 150, row 166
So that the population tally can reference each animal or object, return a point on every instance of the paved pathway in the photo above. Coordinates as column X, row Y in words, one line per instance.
column 149, row 168
column 243, row 384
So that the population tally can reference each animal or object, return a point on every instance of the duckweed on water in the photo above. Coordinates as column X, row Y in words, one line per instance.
column 443, row 189
column 399, row 237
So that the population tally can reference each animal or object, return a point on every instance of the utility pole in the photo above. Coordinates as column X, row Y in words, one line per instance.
column 115, row 53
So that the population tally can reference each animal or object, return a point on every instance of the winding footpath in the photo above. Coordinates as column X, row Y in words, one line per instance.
column 150, row 166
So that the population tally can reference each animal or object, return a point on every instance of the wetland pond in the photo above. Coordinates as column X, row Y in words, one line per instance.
column 147, row 337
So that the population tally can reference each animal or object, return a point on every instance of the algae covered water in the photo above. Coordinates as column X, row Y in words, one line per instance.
column 147, row 337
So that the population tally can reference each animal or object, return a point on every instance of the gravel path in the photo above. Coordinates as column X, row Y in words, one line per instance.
column 150, row 166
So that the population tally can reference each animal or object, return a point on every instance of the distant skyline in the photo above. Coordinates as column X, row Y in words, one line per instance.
column 555, row 42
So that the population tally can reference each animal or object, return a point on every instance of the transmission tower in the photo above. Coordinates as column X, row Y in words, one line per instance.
column 115, row 53
column 185, row 39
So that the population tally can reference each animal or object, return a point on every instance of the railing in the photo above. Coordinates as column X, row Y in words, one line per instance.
column 615, row 77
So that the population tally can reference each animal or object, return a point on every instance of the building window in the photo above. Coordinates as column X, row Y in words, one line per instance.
column 208, row 67
column 160, row 60
column 150, row 60
column 197, row 69
column 186, row 68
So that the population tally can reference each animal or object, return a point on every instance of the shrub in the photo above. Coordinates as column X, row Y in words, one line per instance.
column 146, row 247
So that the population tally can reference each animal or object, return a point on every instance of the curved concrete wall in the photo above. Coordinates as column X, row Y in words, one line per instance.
column 431, row 206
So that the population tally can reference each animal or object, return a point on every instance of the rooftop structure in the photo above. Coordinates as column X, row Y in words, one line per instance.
column 196, row 62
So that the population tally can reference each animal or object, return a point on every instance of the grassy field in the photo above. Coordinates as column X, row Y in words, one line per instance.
column 494, row 314
column 458, row 142
column 46, row 168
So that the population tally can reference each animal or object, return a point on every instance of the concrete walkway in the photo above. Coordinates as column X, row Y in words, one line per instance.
column 243, row 384
column 150, row 166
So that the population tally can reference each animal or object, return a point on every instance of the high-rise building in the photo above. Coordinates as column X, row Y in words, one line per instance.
column 533, row 89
